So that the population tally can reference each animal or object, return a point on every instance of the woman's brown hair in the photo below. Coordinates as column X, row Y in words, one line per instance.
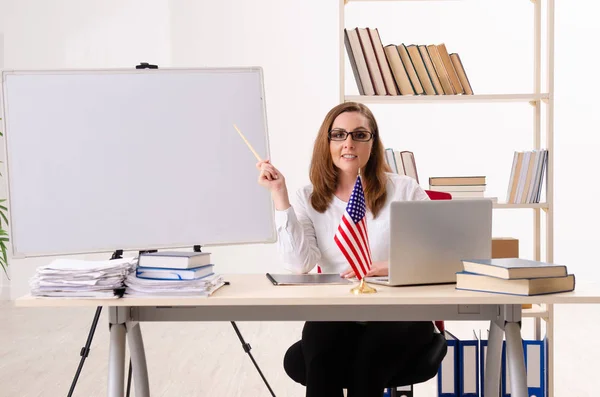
column 324, row 174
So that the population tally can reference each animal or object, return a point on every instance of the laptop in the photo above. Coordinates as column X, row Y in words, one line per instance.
column 429, row 240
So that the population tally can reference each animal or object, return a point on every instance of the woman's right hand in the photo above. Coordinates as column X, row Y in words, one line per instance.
column 274, row 181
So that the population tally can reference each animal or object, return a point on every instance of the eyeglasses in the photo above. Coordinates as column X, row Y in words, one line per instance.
column 358, row 136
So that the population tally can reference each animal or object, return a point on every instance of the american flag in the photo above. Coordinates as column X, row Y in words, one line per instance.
column 351, row 236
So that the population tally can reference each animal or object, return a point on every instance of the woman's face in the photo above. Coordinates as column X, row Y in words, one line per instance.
column 353, row 152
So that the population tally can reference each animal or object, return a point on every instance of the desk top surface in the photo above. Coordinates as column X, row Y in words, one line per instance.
column 257, row 290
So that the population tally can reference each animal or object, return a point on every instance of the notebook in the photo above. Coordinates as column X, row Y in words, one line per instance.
column 304, row 279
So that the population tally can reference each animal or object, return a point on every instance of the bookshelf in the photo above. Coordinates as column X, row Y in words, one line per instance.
column 399, row 99
column 542, row 96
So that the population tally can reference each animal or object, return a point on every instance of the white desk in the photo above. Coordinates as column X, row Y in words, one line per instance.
column 254, row 298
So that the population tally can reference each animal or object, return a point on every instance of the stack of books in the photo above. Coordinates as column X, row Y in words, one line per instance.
column 174, row 273
column 402, row 162
column 415, row 69
column 460, row 187
column 514, row 276
column 527, row 177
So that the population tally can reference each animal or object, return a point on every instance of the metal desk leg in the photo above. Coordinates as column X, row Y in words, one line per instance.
column 116, row 361
column 516, row 360
column 493, row 361
column 138, row 360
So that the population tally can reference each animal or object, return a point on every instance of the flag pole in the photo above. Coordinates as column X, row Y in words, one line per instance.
column 363, row 287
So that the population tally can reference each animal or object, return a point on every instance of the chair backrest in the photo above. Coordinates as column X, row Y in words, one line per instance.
column 435, row 195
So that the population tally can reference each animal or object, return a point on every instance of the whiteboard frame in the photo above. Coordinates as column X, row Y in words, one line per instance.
column 4, row 111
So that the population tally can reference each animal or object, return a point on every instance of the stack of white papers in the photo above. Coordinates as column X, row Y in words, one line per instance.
column 82, row 279
column 147, row 287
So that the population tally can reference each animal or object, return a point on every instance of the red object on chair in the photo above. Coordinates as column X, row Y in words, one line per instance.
column 434, row 195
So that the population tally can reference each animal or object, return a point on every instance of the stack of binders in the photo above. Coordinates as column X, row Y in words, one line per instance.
column 462, row 373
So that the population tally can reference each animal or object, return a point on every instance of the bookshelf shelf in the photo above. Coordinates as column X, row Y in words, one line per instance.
column 535, row 312
column 378, row 1
column 542, row 132
column 405, row 99
column 517, row 206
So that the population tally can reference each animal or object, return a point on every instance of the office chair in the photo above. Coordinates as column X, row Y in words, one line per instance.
column 426, row 362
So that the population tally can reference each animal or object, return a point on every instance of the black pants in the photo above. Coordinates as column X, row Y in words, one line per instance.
column 362, row 358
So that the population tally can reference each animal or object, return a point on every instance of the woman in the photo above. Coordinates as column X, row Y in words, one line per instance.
column 361, row 357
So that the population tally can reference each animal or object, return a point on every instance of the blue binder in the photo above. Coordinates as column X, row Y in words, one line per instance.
column 535, row 365
column 448, row 373
column 468, row 357
column 483, row 343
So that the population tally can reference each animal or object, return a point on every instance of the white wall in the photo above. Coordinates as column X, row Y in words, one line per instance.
column 4, row 281
column 80, row 34
column 296, row 43
column 300, row 75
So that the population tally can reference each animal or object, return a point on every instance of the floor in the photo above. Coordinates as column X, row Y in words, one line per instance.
column 40, row 347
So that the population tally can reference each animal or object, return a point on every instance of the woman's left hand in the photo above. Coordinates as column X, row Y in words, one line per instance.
column 377, row 269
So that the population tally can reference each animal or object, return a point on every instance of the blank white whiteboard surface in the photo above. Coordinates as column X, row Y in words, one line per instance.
column 134, row 159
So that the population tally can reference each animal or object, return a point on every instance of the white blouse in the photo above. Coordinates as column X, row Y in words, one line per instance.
column 305, row 236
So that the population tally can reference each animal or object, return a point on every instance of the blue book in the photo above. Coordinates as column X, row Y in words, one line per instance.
column 513, row 268
column 157, row 273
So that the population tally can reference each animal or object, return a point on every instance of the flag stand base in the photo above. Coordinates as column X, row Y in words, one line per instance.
column 363, row 288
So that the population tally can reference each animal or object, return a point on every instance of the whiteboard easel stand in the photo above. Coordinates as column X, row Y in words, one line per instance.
column 118, row 254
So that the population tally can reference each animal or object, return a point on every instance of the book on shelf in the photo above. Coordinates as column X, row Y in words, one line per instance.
column 461, row 194
column 513, row 268
column 419, row 65
column 157, row 273
column 431, row 70
column 174, row 259
column 358, row 62
column 462, row 75
column 525, row 286
column 402, row 162
column 410, row 69
column 492, row 199
column 399, row 69
column 384, row 66
column 440, row 69
column 527, row 176
column 456, row 180
column 372, row 64
column 460, row 188
column 456, row 85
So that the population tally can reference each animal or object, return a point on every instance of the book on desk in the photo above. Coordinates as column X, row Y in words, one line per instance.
column 174, row 259
column 514, row 276
column 175, row 273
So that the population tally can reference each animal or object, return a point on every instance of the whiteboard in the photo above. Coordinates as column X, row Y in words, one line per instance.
column 134, row 159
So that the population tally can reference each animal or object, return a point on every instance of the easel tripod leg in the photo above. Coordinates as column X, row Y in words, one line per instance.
column 247, row 348
column 85, row 350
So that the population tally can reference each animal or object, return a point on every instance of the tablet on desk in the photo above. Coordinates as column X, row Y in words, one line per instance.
column 304, row 279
